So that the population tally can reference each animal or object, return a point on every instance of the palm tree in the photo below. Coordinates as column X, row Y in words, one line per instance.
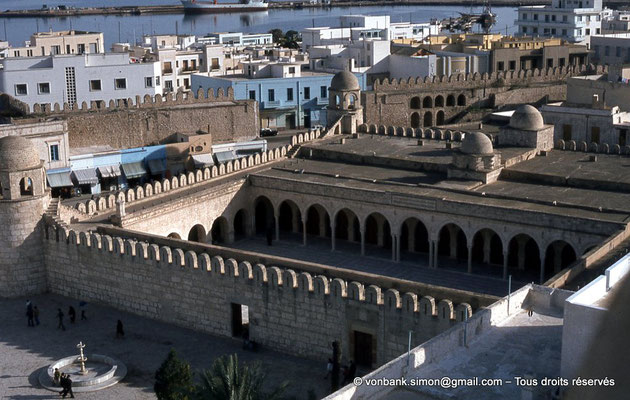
column 226, row 380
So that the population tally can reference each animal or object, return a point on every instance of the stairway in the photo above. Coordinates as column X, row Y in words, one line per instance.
column 52, row 213
column 293, row 152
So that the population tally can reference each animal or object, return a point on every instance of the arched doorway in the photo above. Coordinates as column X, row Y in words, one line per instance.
column 378, row 231
column 289, row 218
column 347, row 226
column 427, row 102
column 415, row 120
column 415, row 103
column 524, row 258
column 174, row 235
column 558, row 256
column 219, row 232
column 461, row 100
column 439, row 118
column 439, row 101
column 428, row 119
column 452, row 245
column 264, row 215
column 317, row 221
column 488, row 249
column 197, row 234
column 450, row 101
column 414, row 238
column 241, row 226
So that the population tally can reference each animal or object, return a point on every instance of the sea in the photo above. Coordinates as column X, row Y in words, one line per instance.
column 131, row 28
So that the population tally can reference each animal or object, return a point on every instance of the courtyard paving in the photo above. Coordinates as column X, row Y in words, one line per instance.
column 413, row 267
column 25, row 351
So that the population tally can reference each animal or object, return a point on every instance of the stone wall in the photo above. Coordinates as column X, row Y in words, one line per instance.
column 149, row 121
column 435, row 101
column 295, row 313
column 21, row 263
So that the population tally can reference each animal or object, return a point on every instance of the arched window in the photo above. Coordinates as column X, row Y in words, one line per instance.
column 337, row 100
column 428, row 119
column 461, row 100
column 415, row 120
column 439, row 101
column 450, row 101
column 414, row 104
column 26, row 187
column 351, row 101
column 427, row 102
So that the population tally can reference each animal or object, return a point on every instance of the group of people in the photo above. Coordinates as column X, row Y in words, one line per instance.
column 72, row 314
column 32, row 314
column 334, row 367
column 65, row 382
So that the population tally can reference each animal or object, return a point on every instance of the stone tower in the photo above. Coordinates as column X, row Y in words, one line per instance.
column 344, row 101
column 23, row 199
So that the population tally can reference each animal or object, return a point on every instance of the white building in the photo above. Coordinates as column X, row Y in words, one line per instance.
column 574, row 20
column 618, row 22
column 56, row 43
column 237, row 39
column 78, row 78
column 369, row 56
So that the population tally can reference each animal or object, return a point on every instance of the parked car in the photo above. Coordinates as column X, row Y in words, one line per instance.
column 268, row 132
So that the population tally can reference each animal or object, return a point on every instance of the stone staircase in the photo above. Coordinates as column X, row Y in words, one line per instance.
column 294, row 150
column 52, row 213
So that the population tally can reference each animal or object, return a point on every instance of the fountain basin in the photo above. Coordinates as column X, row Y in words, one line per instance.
column 101, row 372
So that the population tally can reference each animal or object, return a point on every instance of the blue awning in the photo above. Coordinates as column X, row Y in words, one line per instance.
column 58, row 179
column 134, row 170
column 225, row 156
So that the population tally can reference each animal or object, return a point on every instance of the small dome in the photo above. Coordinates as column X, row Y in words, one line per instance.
column 527, row 118
column 344, row 80
column 476, row 143
column 17, row 153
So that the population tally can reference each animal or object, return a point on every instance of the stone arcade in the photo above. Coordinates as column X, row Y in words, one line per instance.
column 465, row 209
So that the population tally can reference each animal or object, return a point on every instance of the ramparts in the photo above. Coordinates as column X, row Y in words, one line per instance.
column 297, row 313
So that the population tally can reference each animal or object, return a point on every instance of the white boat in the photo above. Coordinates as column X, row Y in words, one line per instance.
column 214, row 6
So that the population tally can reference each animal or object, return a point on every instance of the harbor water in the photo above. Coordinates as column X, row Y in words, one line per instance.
column 126, row 28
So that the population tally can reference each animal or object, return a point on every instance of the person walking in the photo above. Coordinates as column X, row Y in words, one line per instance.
column 29, row 313
column 36, row 315
column 60, row 316
column 57, row 377
column 120, row 332
column 66, row 384
column 72, row 314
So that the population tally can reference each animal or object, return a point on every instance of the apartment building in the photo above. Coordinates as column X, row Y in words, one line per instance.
column 58, row 43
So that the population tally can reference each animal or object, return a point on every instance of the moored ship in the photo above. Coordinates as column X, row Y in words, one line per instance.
column 201, row 6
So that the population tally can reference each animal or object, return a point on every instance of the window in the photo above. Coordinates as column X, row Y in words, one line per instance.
column 148, row 81
column 561, row 62
column 535, row 17
column 68, row 49
column 289, row 94
column 95, row 85
column 21, row 89
column 550, row 63
column 546, row 18
column 534, row 30
column 553, row 18
column 168, row 68
column 120, row 83
column 157, row 81
column 168, row 85
column 564, row 32
column 500, row 66
column 81, row 48
column 623, row 137
column 607, row 50
column 271, row 95
column 524, row 17
column 292, row 70
column 323, row 93
column 524, row 30
column 512, row 65
column 564, row 18
column 29, row 53
column 215, row 63
column 566, row 132
column 588, row 31
column 252, row 95
column 54, row 152
column 187, row 83
column 43, row 88
column 16, row 53
column 307, row 93
column 595, row 134
column 618, row 51
column 553, row 31
column 54, row 50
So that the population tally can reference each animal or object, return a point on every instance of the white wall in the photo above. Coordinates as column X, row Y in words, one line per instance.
column 405, row 66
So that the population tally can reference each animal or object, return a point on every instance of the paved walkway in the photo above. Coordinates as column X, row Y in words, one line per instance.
column 25, row 351
column 413, row 267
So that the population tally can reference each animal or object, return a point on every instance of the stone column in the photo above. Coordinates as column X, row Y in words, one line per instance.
column 435, row 244
column 397, row 248
column 505, row 264
column 332, row 234
column 542, row 266
column 277, row 218
column 487, row 241
column 304, row 232
column 469, row 246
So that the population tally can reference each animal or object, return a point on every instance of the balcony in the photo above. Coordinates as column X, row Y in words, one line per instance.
column 167, row 71
column 271, row 104
column 322, row 101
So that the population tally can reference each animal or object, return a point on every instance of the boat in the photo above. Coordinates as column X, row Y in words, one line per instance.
column 200, row 6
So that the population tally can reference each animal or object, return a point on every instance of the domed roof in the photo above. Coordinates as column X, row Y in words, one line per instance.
column 527, row 118
column 476, row 143
column 17, row 153
column 344, row 80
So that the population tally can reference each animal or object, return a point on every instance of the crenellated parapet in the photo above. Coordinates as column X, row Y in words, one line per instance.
column 603, row 148
column 167, row 260
column 104, row 203
column 139, row 102
column 502, row 78
column 419, row 133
